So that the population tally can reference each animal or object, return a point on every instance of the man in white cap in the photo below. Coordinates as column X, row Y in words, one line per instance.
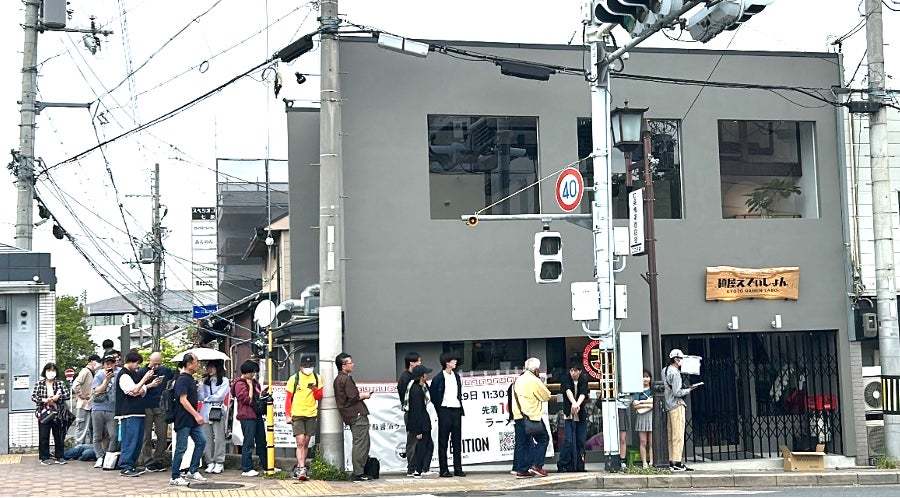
column 674, row 398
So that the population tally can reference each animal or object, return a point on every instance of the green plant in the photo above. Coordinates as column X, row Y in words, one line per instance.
column 320, row 470
column 280, row 475
column 762, row 199
column 646, row 471
column 885, row 463
column 73, row 341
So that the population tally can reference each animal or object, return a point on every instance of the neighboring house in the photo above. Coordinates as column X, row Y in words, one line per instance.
column 27, row 341
column 427, row 140
column 106, row 317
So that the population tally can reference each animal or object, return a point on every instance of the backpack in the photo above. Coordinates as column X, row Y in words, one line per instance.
column 168, row 402
column 297, row 381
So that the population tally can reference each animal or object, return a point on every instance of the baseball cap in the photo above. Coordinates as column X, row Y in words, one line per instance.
column 420, row 370
column 307, row 361
column 676, row 353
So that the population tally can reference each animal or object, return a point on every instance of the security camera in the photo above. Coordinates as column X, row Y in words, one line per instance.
column 472, row 221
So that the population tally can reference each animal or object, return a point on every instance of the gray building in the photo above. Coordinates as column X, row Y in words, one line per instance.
column 427, row 140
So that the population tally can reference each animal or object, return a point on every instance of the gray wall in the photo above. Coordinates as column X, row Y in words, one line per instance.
column 303, row 167
column 411, row 279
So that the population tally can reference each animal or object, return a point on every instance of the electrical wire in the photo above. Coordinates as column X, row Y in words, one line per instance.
column 709, row 76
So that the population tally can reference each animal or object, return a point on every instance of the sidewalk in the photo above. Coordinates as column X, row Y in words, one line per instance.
column 26, row 477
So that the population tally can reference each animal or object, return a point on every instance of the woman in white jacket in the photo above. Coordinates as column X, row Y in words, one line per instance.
column 214, row 393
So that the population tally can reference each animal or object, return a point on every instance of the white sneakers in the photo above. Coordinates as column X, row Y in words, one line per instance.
column 250, row 473
column 210, row 468
column 196, row 476
column 219, row 468
column 99, row 464
column 181, row 481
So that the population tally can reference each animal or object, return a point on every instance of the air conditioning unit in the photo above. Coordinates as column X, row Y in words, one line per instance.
column 872, row 397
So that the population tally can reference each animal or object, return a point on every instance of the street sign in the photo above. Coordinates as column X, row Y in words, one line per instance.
column 569, row 189
column 70, row 374
column 203, row 311
column 636, row 221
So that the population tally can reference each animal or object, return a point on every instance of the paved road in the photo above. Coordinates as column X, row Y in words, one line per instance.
column 850, row 491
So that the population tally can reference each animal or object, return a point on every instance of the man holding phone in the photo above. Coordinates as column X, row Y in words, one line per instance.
column 301, row 407
column 675, row 406
column 154, row 457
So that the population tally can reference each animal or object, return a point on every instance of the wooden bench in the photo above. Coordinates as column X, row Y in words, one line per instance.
column 804, row 460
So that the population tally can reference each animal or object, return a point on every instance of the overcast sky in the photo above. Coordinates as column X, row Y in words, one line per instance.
column 245, row 120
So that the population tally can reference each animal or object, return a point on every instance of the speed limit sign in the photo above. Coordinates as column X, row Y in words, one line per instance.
column 569, row 189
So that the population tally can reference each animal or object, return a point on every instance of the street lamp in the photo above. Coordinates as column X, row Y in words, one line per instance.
column 627, row 124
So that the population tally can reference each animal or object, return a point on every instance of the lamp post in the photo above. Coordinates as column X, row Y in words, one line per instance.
column 629, row 136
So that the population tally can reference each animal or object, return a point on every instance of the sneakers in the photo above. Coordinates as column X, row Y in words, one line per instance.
column 302, row 474
column 48, row 461
column 61, row 462
column 429, row 473
column 680, row 467
column 361, row 478
column 219, row 468
column 459, row 473
column 156, row 467
column 417, row 475
column 132, row 472
column 513, row 473
column 181, row 481
column 411, row 474
column 538, row 472
column 99, row 464
column 196, row 476
column 210, row 468
column 523, row 475
column 250, row 473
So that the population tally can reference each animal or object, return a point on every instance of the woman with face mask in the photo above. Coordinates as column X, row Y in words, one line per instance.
column 642, row 403
column 50, row 395
column 215, row 395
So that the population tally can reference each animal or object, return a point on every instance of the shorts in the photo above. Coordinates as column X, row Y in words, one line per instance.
column 623, row 419
column 307, row 426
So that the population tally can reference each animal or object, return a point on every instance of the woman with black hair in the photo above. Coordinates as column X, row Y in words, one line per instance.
column 643, row 422
column 49, row 396
column 214, row 394
column 420, row 421
column 246, row 390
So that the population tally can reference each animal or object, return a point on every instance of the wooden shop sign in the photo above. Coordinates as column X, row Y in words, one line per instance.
column 727, row 283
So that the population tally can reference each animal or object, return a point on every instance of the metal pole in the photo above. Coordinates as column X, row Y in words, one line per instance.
column 660, row 449
column 331, row 233
column 601, row 214
column 885, row 287
column 270, row 406
column 157, row 264
column 25, row 167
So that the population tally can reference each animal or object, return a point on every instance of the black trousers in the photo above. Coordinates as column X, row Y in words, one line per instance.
column 449, row 426
column 44, row 431
column 422, row 457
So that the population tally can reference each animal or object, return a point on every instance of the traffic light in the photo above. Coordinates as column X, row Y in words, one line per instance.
column 212, row 328
column 259, row 343
column 635, row 16
column 725, row 15
column 548, row 266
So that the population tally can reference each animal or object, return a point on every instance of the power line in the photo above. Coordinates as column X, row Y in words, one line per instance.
column 709, row 76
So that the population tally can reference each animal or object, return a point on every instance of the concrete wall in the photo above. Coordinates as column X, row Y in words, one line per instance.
column 303, row 161
column 412, row 279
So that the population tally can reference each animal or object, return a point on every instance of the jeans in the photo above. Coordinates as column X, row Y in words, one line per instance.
column 534, row 448
column 83, row 426
column 571, row 455
column 254, row 431
column 449, row 426
column 132, row 436
column 539, row 449
column 155, row 422
column 215, row 441
column 181, row 437
column 44, row 431
column 104, row 429
column 519, row 452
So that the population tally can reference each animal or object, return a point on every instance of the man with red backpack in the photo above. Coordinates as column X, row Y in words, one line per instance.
column 301, row 408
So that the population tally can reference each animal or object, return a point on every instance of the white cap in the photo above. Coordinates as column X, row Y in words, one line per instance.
column 676, row 353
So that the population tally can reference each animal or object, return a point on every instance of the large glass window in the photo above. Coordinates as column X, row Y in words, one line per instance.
column 475, row 161
column 767, row 169
column 489, row 355
column 665, row 146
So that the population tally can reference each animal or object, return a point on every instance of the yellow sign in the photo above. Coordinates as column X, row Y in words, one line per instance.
column 727, row 283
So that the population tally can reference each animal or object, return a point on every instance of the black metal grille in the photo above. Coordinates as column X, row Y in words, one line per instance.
column 762, row 391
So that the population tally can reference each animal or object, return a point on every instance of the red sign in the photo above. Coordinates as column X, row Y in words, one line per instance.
column 591, row 359
column 70, row 374
column 569, row 189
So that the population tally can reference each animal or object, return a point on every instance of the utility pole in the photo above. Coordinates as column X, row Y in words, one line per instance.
column 156, row 319
column 331, row 232
column 27, row 112
column 885, row 287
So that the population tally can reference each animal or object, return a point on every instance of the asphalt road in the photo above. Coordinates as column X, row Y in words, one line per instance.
column 821, row 491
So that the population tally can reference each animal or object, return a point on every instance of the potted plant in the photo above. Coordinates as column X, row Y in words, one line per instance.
column 762, row 199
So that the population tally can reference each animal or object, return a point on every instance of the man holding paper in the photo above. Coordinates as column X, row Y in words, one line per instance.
column 674, row 398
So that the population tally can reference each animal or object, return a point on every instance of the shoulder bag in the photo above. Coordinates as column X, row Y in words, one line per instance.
column 532, row 427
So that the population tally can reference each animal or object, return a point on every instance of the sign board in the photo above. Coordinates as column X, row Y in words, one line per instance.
column 204, row 255
column 204, row 311
column 569, row 189
column 486, row 436
column 636, row 222
column 727, row 283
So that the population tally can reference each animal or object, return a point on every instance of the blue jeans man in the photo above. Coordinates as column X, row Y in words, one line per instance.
column 530, row 450
column 131, row 432
column 181, row 438
column 571, row 454
column 538, row 450
column 254, row 432
column 520, row 458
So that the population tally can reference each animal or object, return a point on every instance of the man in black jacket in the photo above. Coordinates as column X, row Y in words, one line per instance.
column 446, row 394
column 412, row 360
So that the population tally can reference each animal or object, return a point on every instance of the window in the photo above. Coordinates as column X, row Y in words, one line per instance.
column 475, row 161
column 767, row 169
column 665, row 143
column 489, row 355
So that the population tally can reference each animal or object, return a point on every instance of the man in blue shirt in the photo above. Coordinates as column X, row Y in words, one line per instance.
column 187, row 423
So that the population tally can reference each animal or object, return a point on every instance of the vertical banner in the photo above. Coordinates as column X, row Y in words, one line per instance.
column 204, row 261
column 486, row 436
column 636, row 221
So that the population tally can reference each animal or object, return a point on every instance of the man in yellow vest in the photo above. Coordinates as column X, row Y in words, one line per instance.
column 301, row 408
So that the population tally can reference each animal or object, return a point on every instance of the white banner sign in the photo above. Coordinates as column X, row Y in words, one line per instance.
column 204, row 249
column 636, row 221
column 284, row 433
column 486, row 437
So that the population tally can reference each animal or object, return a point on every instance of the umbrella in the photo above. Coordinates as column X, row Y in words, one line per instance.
column 202, row 354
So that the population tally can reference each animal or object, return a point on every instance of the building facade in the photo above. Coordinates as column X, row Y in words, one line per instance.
column 428, row 140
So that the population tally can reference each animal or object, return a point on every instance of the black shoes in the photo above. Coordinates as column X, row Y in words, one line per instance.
column 459, row 473
column 156, row 467
column 361, row 478
column 446, row 473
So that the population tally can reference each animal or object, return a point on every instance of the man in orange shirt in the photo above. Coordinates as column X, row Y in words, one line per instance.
column 301, row 408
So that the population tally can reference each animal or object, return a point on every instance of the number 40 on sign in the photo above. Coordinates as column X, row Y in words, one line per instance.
column 569, row 189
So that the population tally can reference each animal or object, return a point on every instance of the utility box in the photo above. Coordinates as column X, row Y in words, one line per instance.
column 631, row 362
column 585, row 301
column 53, row 13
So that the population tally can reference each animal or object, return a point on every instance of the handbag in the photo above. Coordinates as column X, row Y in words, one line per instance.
column 215, row 414
column 532, row 427
column 644, row 406
column 47, row 414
